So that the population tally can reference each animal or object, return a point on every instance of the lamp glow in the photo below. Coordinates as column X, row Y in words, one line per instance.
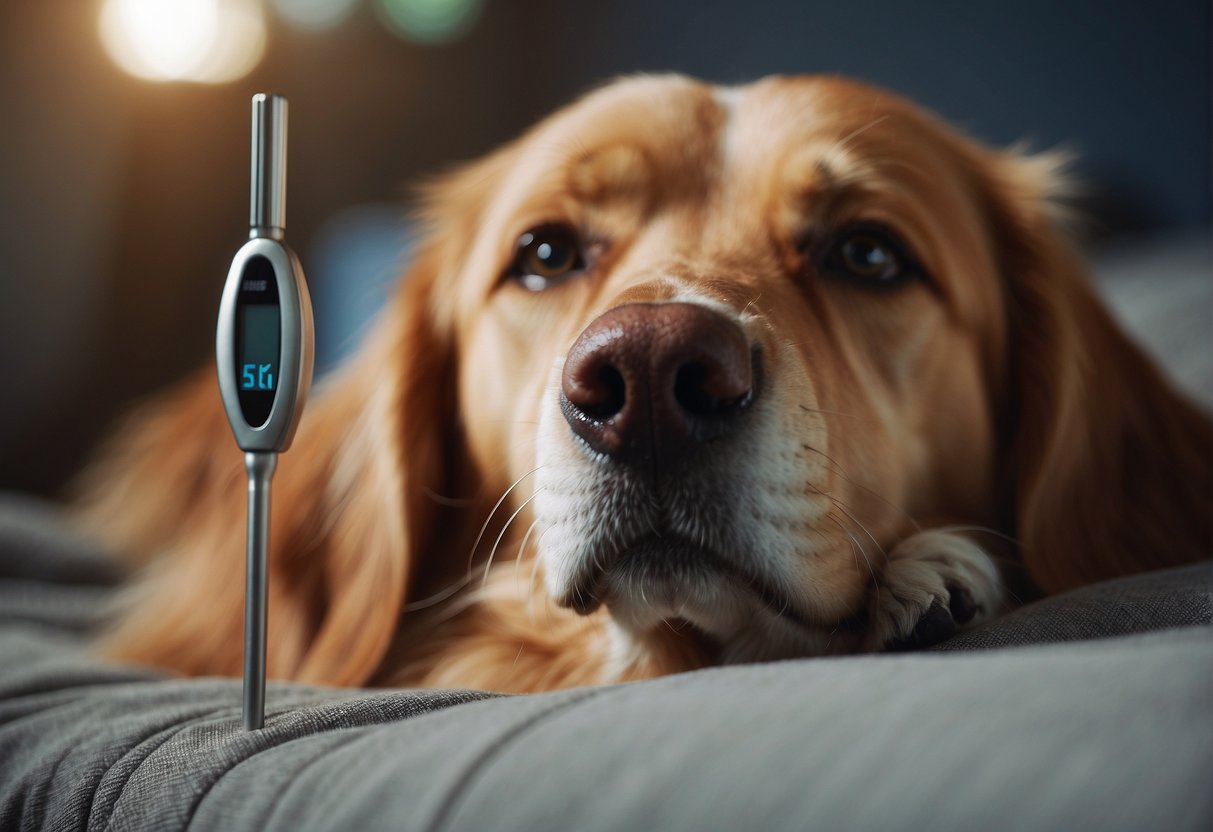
column 314, row 14
column 429, row 21
column 204, row 41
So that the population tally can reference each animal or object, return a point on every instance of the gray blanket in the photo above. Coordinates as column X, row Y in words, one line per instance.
column 1112, row 729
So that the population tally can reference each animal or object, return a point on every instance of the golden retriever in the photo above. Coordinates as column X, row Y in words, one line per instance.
column 686, row 375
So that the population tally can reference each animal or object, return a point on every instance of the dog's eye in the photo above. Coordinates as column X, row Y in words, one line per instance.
column 546, row 256
column 870, row 255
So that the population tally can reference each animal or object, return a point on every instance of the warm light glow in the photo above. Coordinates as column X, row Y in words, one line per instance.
column 314, row 14
column 431, row 21
column 206, row 41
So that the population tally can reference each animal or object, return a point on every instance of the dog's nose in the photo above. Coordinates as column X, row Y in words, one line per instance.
column 649, row 381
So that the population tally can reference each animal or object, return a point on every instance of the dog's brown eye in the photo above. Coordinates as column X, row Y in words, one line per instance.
column 869, row 255
column 866, row 256
column 545, row 257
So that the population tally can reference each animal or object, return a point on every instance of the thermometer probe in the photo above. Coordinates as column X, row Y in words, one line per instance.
column 263, row 348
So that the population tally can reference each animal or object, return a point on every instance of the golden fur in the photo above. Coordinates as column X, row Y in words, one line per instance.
column 996, row 394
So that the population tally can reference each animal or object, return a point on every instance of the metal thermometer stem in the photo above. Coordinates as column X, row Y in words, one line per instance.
column 260, row 466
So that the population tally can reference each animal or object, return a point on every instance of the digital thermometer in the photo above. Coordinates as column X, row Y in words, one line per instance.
column 263, row 347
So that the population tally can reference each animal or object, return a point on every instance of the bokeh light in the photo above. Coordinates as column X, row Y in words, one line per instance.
column 429, row 21
column 204, row 41
column 314, row 14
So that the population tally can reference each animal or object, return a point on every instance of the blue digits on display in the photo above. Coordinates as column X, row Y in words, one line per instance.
column 257, row 377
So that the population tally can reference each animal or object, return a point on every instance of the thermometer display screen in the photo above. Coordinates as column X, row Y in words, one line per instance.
column 259, row 333
column 258, row 340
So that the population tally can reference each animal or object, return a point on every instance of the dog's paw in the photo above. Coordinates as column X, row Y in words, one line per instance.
column 935, row 583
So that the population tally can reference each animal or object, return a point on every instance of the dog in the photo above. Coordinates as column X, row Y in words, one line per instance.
column 685, row 376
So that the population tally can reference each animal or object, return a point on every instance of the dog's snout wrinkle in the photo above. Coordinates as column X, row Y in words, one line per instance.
column 648, row 382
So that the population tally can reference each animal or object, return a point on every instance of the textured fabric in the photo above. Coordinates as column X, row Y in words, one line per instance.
column 1111, row 734
column 86, row 746
column 1155, row 601
column 1041, row 738
column 35, row 546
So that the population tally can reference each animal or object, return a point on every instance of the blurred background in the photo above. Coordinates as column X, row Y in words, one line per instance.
column 124, row 145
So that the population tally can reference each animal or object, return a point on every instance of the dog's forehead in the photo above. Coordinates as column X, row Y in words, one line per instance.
column 794, row 108
column 621, row 138
column 782, row 142
column 672, row 121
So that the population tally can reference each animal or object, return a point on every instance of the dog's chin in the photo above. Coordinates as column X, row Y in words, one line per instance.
column 663, row 588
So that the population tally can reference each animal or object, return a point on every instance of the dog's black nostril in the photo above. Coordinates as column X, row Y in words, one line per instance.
column 594, row 386
column 697, row 397
column 613, row 395
column 689, row 392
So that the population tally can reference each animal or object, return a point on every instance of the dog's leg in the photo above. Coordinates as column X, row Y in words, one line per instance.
column 935, row 582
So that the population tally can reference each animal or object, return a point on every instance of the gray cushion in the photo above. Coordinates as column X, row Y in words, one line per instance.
column 1138, row 604
column 1109, row 734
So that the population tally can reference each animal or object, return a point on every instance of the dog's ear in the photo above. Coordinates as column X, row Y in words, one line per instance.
column 388, row 423
column 352, row 516
column 400, row 449
column 1107, row 468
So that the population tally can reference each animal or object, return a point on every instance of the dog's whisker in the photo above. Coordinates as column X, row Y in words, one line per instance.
column 858, row 418
column 489, row 519
column 531, row 592
column 450, row 590
column 837, row 469
column 841, row 505
column 521, row 555
column 855, row 551
column 451, row 502
column 492, row 552
column 857, row 547
column 439, row 596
